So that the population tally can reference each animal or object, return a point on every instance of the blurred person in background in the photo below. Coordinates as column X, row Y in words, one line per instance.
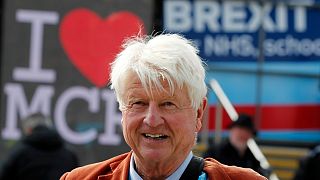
column 40, row 154
column 160, row 86
column 309, row 167
column 234, row 150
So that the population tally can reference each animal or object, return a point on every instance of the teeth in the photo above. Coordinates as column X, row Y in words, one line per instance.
column 154, row 135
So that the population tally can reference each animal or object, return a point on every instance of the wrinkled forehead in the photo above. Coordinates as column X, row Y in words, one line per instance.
column 132, row 80
column 162, row 86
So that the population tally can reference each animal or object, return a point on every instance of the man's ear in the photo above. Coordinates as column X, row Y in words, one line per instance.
column 200, row 113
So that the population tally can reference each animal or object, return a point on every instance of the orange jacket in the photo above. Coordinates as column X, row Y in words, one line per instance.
column 117, row 168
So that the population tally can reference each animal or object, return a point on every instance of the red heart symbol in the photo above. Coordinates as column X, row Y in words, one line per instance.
column 91, row 43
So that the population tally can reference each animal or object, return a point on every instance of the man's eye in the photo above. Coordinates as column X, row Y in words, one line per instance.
column 138, row 104
column 169, row 105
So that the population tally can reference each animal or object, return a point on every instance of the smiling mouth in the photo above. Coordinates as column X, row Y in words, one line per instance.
column 155, row 136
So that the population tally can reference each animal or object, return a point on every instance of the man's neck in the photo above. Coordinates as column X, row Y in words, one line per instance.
column 155, row 173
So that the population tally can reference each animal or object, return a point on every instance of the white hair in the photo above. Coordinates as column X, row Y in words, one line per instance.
column 169, row 57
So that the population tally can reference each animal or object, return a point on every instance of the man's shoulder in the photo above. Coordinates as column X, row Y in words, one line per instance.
column 92, row 171
column 216, row 170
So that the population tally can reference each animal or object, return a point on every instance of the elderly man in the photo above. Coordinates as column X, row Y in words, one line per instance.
column 160, row 85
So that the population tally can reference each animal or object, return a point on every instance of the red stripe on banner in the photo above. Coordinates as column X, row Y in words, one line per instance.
column 277, row 117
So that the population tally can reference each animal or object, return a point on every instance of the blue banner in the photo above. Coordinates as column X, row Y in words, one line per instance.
column 230, row 31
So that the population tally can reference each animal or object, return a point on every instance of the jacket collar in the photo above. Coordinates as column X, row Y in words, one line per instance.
column 120, row 169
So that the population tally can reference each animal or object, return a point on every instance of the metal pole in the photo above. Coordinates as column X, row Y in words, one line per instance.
column 252, row 145
column 218, row 124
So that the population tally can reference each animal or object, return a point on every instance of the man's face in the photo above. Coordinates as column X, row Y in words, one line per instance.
column 239, row 137
column 159, row 128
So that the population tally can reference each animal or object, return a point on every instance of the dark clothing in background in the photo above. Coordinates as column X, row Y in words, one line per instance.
column 227, row 154
column 309, row 168
column 40, row 155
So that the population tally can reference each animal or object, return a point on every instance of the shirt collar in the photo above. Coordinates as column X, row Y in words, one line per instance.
column 133, row 175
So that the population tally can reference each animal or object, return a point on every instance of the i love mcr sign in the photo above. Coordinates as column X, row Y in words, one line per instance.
column 55, row 60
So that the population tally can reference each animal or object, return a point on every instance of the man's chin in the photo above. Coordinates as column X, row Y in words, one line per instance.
column 153, row 155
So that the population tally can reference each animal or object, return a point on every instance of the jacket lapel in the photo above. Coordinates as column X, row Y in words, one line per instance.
column 120, row 171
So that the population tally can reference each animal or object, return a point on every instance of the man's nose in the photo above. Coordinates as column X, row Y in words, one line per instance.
column 153, row 116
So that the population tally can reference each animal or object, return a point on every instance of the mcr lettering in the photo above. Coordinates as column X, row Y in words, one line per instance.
column 19, row 105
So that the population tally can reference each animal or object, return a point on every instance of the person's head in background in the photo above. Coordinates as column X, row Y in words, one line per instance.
column 33, row 121
column 160, row 85
column 241, row 131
